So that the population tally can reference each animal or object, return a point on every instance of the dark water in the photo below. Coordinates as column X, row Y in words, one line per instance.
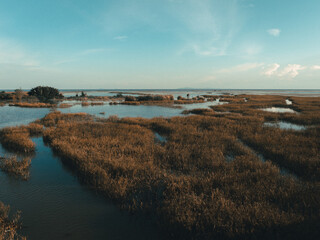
column 55, row 205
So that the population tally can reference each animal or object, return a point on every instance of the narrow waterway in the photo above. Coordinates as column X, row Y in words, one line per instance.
column 55, row 205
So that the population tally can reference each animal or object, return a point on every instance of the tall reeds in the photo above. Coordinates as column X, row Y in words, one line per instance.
column 9, row 226
column 187, row 180
column 15, row 167
column 17, row 139
column 32, row 105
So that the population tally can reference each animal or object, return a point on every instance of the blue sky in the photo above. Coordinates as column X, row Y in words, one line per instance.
column 160, row 44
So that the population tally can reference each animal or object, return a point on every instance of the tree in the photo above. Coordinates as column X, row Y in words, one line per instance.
column 45, row 93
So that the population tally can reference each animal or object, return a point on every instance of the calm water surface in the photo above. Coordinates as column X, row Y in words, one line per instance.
column 55, row 205
column 285, row 125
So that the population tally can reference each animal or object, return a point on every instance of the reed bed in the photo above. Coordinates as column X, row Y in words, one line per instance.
column 202, row 111
column 33, row 105
column 65, row 105
column 9, row 225
column 18, row 138
column 90, row 98
column 86, row 104
column 17, row 168
column 188, row 181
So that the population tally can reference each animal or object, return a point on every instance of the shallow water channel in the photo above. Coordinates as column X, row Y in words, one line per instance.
column 55, row 205
column 279, row 110
column 53, row 202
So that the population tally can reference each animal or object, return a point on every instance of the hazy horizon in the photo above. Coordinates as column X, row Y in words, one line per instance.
column 168, row 44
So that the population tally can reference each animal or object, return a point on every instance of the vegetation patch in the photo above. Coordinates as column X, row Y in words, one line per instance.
column 17, row 168
column 203, row 111
column 33, row 105
column 188, row 180
column 18, row 138
column 9, row 225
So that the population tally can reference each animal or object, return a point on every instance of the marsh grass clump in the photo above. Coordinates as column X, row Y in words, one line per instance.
column 85, row 104
column 53, row 118
column 65, row 105
column 9, row 225
column 33, row 105
column 15, row 167
column 187, row 182
column 17, row 139
column 203, row 111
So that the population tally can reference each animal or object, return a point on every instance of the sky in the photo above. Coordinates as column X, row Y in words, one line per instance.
column 160, row 44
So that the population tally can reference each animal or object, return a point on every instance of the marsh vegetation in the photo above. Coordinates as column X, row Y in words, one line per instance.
column 15, row 167
column 187, row 180
column 9, row 224
column 206, row 179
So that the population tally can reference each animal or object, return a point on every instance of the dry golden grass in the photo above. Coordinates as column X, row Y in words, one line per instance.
column 18, row 138
column 189, row 182
column 15, row 167
column 65, row 105
column 202, row 111
column 188, row 101
column 9, row 226
column 160, row 100
column 96, row 103
column 86, row 104
column 90, row 98
column 33, row 105
column 203, row 183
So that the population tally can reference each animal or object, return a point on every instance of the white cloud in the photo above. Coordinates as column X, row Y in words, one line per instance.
column 316, row 67
column 120, row 38
column 272, row 69
column 291, row 70
column 274, row 32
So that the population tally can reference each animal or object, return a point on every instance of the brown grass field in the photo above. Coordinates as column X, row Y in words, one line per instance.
column 15, row 167
column 208, row 180
column 17, row 139
column 9, row 226
column 33, row 105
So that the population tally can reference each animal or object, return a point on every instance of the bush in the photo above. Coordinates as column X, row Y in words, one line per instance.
column 45, row 93
column 130, row 98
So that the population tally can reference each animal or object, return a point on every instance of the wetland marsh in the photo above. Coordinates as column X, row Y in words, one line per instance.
column 153, row 172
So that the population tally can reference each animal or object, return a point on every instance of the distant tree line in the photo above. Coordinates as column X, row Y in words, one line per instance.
column 43, row 93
